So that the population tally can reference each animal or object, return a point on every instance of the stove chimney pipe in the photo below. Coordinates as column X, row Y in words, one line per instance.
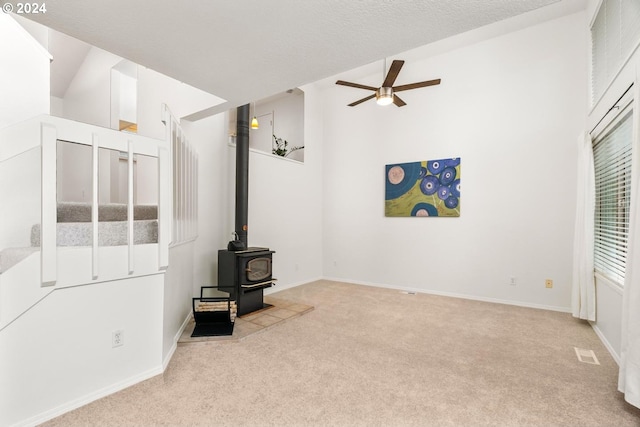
column 242, row 172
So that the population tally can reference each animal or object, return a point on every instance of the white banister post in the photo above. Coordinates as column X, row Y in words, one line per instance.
column 164, row 206
column 95, row 145
column 130, row 205
column 48, row 229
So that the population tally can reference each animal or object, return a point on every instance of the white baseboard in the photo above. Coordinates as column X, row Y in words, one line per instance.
column 453, row 295
column 605, row 342
column 174, row 346
column 91, row 397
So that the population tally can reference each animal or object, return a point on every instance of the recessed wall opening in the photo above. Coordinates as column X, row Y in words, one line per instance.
column 124, row 96
column 281, row 125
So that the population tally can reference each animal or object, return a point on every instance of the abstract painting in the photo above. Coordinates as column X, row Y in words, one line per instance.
column 427, row 188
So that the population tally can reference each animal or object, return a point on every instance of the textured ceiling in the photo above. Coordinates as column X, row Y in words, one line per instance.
column 243, row 50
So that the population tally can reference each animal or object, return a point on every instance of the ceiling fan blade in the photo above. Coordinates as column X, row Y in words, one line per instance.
column 360, row 101
column 359, row 86
column 395, row 68
column 416, row 85
column 399, row 102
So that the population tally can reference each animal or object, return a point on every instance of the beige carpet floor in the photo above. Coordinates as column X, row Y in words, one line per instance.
column 377, row 357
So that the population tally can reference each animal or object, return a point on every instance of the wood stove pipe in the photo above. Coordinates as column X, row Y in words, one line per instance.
column 242, row 172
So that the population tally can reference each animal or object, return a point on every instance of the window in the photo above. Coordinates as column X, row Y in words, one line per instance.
column 615, row 34
column 612, row 164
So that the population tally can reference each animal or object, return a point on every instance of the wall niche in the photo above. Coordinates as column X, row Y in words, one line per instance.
column 280, row 119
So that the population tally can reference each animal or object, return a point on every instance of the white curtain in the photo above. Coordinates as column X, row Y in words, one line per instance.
column 583, row 297
column 629, row 376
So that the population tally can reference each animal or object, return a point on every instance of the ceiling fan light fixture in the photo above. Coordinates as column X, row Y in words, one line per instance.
column 384, row 96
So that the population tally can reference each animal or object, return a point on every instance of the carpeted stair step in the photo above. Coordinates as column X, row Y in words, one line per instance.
column 111, row 233
column 81, row 212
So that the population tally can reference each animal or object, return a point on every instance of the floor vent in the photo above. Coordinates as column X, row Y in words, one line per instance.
column 586, row 356
column 408, row 292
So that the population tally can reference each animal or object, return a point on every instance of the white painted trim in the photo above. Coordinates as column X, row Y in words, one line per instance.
column 183, row 184
column 613, row 78
column 164, row 207
column 611, row 284
column 454, row 295
column 94, row 206
column 48, row 219
column 176, row 338
column 130, row 203
column 605, row 342
column 91, row 397
column 271, row 155
column 173, row 153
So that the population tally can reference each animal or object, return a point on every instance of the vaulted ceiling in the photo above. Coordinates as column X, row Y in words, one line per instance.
column 243, row 50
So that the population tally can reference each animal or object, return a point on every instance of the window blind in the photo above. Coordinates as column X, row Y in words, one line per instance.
column 615, row 34
column 612, row 164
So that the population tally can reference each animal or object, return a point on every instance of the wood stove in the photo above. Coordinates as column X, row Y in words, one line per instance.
column 248, row 273
column 244, row 269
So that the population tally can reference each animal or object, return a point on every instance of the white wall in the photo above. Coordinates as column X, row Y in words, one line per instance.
column 60, row 356
column 177, row 296
column 155, row 89
column 21, row 200
column 57, row 106
column 511, row 107
column 208, row 138
column 128, row 98
column 88, row 98
column 24, row 74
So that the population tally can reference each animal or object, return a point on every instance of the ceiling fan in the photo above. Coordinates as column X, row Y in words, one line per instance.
column 385, row 94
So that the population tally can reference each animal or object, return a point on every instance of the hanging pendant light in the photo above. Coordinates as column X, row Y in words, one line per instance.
column 254, row 121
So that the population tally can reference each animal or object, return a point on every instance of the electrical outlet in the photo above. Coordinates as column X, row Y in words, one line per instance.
column 117, row 338
column 512, row 281
column 548, row 283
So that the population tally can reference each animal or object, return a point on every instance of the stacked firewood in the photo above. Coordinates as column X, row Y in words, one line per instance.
column 218, row 306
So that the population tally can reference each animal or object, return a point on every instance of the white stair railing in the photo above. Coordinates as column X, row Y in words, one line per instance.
column 184, row 165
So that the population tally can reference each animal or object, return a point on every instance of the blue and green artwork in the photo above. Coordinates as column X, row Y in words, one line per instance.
column 427, row 188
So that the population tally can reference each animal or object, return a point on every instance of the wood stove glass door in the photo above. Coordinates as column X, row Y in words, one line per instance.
column 258, row 269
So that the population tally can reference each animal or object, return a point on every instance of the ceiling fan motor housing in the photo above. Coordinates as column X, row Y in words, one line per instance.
column 384, row 95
